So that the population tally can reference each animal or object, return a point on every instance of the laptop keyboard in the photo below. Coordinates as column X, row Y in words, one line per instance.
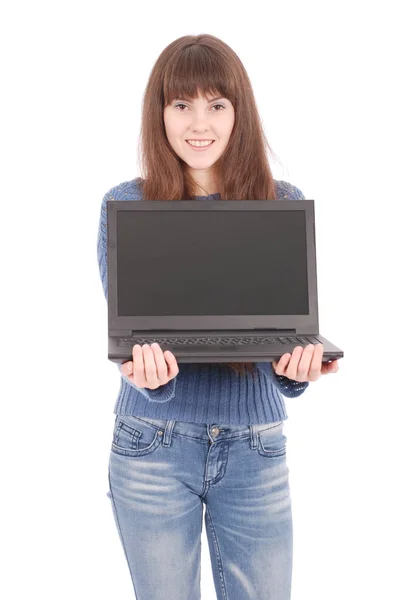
column 219, row 341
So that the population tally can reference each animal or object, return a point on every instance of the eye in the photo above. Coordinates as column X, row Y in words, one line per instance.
column 214, row 106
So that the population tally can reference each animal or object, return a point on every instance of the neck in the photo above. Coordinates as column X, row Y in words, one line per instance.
column 206, row 184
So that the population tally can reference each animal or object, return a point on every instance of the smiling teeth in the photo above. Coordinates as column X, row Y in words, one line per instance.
column 206, row 143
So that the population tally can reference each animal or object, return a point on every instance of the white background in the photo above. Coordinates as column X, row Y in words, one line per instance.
column 325, row 78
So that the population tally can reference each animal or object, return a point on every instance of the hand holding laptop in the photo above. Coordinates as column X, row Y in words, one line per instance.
column 304, row 364
column 150, row 367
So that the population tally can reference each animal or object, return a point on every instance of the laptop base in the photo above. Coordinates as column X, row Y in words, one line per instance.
column 218, row 353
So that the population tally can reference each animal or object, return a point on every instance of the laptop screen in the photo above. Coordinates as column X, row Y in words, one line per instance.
column 201, row 262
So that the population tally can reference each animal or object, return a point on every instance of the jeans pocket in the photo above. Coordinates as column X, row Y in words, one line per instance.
column 272, row 441
column 133, row 436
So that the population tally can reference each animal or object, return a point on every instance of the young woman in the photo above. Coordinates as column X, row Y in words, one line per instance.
column 203, row 434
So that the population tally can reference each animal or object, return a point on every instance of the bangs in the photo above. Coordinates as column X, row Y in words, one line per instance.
column 197, row 71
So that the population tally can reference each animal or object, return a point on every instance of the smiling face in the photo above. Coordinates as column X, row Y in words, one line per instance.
column 200, row 119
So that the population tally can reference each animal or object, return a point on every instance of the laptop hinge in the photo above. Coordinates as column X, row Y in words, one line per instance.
column 275, row 330
column 131, row 333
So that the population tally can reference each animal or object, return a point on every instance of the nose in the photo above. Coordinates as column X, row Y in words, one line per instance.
column 199, row 121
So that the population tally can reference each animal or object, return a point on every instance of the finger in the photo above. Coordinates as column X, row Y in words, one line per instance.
column 304, row 363
column 282, row 364
column 315, row 369
column 292, row 367
column 150, row 367
column 161, row 367
column 138, row 368
column 173, row 369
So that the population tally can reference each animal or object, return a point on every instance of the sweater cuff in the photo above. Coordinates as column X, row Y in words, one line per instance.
column 288, row 387
column 163, row 393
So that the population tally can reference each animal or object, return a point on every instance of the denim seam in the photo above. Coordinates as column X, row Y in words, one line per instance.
column 122, row 538
column 139, row 419
column 217, row 553
column 237, row 436
column 271, row 426
column 190, row 437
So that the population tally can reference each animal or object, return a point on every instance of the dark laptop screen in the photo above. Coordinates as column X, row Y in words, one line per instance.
column 211, row 263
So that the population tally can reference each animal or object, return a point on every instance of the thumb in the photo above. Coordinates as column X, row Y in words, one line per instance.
column 330, row 367
column 127, row 368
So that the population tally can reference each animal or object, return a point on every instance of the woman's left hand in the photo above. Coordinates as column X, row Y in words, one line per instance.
column 305, row 364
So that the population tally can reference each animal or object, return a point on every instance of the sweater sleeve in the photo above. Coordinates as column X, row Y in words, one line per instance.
column 164, row 392
column 288, row 387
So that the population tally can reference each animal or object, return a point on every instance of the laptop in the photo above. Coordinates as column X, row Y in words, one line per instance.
column 213, row 280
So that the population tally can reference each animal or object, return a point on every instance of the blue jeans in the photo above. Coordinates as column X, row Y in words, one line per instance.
column 160, row 475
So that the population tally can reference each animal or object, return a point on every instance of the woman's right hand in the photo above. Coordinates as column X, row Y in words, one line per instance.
column 150, row 367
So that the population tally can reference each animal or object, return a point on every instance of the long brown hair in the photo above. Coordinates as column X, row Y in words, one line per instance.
column 196, row 65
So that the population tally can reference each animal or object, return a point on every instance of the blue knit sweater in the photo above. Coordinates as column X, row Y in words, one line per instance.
column 203, row 392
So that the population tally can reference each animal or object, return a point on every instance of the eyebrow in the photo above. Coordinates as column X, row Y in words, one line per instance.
column 212, row 99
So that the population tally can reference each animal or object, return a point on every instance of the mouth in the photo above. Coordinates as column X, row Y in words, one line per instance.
column 200, row 148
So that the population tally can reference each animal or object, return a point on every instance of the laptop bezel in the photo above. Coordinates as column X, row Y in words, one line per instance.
column 301, row 324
